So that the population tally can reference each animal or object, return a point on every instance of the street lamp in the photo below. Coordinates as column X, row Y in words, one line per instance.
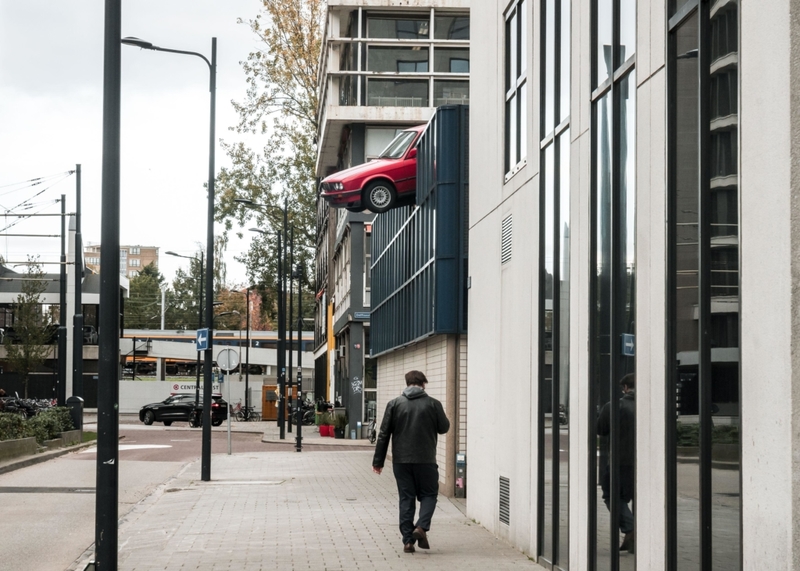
column 199, row 316
column 246, row 354
column 205, row 471
column 281, row 333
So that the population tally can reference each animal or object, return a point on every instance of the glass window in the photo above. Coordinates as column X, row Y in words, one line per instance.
column 377, row 139
column 704, row 506
column 516, row 76
column 397, row 59
column 554, row 371
column 605, row 62
column 613, row 386
column 627, row 30
column 451, row 60
column 415, row 28
column 549, row 65
column 450, row 92
column 397, row 93
column 451, row 27
column 564, row 75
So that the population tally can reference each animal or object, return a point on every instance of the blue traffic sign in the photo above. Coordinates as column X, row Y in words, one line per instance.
column 202, row 339
column 628, row 345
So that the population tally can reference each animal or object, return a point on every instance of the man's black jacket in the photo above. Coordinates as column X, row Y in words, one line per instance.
column 413, row 421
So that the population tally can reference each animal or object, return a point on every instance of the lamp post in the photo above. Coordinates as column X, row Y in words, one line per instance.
column 281, row 377
column 299, row 419
column 205, row 470
column 246, row 354
column 199, row 317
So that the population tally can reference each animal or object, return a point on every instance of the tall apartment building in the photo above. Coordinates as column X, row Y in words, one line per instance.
column 634, row 167
column 385, row 66
column 131, row 258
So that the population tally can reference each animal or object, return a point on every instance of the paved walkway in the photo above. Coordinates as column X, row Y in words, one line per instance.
column 315, row 511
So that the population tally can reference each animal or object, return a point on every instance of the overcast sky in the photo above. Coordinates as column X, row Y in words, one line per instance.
column 51, row 96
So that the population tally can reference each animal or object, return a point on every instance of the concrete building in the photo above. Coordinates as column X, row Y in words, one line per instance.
column 131, row 258
column 634, row 176
column 386, row 65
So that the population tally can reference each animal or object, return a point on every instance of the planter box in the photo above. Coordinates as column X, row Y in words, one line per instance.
column 16, row 448
column 65, row 439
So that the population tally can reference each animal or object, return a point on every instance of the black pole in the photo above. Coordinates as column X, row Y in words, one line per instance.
column 291, row 326
column 281, row 340
column 247, row 359
column 107, row 494
column 62, row 309
column 133, row 357
column 206, row 457
column 199, row 326
column 77, row 319
column 299, row 439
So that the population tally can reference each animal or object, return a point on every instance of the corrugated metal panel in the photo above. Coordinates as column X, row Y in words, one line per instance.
column 505, row 501
column 506, row 239
column 419, row 253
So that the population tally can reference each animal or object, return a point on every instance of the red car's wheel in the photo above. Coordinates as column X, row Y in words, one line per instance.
column 379, row 196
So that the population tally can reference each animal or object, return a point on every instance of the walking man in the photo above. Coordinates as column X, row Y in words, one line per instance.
column 413, row 420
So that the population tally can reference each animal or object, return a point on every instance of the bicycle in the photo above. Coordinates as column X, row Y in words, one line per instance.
column 243, row 414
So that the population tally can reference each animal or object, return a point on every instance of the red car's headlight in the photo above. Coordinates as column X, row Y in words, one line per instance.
column 335, row 186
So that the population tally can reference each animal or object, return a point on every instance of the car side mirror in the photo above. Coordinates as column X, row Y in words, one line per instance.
column 412, row 154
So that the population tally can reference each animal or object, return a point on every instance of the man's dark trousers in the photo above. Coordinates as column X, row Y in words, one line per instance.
column 416, row 482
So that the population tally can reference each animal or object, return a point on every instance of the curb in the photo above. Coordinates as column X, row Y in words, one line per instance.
column 26, row 461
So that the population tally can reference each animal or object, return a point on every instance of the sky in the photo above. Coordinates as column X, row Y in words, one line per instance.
column 51, row 99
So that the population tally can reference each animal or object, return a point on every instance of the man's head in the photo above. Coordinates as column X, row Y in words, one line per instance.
column 416, row 379
column 628, row 382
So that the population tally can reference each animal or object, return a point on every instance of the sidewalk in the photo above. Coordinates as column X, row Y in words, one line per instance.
column 314, row 511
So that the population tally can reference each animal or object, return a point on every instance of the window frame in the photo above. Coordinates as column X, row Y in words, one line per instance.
column 515, row 85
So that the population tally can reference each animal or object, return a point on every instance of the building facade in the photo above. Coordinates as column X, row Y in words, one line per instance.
column 131, row 258
column 386, row 65
column 633, row 225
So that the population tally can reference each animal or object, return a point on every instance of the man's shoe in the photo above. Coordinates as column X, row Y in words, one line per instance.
column 408, row 548
column 421, row 537
column 627, row 543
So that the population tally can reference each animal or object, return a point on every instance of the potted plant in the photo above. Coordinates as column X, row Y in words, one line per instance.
column 340, row 423
column 326, row 424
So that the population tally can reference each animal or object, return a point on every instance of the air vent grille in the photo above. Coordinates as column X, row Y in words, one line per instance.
column 505, row 240
column 505, row 500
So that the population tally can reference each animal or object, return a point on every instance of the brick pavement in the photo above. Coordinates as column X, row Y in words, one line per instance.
column 314, row 511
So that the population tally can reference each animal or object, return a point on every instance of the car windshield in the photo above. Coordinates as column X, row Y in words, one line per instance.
column 398, row 147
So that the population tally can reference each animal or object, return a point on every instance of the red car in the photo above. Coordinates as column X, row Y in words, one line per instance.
column 379, row 184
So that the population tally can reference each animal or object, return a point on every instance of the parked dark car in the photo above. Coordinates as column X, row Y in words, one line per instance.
column 182, row 407
column 378, row 185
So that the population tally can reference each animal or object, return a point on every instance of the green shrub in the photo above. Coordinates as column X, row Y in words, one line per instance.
column 340, row 421
column 689, row 434
column 46, row 425
column 12, row 426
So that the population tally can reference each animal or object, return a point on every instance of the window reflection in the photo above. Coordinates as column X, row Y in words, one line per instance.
column 451, row 27
column 398, row 28
column 400, row 60
column 721, row 319
column 397, row 93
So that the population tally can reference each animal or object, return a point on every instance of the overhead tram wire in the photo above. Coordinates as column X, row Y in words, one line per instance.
column 35, row 182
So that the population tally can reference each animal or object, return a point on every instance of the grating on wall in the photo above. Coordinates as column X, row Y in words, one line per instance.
column 505, row 240
column 505, row 500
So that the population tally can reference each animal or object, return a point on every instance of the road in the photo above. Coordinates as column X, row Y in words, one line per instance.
column 48, row 509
